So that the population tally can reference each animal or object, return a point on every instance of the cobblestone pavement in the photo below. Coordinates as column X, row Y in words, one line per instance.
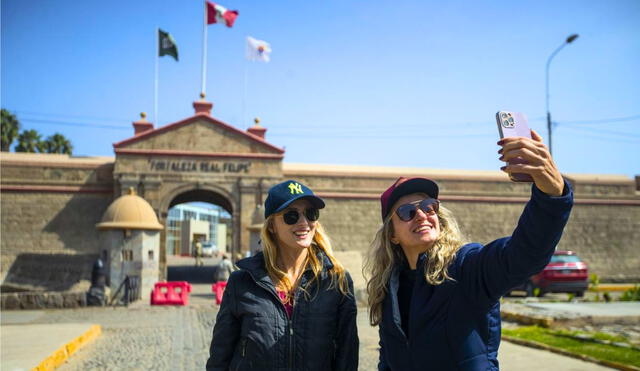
column 143, row 337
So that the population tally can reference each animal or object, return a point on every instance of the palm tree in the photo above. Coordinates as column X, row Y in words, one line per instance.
column 10, row 128
column 57, row 143
column 29, row 141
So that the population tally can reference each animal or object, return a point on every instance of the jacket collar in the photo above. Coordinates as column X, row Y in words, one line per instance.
column 256, row 267
column 394, row 283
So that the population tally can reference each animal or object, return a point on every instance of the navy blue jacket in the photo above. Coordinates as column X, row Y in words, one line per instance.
column 253, row 332
column 456, row 325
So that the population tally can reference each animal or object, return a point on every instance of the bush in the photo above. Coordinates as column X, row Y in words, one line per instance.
column 633, row 294
column 594, row 280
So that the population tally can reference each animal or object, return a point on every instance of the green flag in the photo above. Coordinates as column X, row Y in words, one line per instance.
column 167, row 45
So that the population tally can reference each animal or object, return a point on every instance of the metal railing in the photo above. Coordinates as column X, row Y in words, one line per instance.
column 131, row 286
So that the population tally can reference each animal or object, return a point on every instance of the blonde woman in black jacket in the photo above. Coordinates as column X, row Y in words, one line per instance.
column 290, row 307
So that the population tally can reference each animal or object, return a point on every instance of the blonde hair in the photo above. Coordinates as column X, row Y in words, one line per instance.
column 320, row 243
column 384, row 255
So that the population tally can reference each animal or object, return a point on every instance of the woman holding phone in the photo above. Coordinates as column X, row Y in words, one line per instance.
column 290, row 306
column 435, row 298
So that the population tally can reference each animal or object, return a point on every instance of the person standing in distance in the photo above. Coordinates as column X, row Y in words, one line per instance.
column 198, row 253
column 291, row 306
column 435, row 298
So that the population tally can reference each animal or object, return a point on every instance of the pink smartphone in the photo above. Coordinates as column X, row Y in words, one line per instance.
column 514, row 124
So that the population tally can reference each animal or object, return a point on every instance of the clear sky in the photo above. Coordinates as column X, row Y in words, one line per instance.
column 405, row 83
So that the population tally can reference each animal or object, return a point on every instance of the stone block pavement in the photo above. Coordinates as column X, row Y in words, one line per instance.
column 143, row 337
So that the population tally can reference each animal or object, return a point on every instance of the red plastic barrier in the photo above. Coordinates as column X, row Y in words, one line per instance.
column 171, row 293
column 218, row 289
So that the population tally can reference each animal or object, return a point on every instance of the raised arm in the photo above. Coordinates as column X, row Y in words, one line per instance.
column 489, row 272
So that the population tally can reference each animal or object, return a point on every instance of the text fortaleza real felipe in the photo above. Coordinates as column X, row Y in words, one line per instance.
column 200, row 166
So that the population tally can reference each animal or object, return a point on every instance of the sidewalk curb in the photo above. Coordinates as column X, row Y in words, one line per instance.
column 541, row 321
column 59, row 356
column 535, row 344
column 604, row 287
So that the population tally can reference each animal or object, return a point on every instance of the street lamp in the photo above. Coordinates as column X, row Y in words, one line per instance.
column 569, row 40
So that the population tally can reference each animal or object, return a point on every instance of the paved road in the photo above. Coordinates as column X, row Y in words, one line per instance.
column 177, row 338
column 617, row 309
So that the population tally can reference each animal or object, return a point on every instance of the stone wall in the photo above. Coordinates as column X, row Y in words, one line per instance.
column 42, row 300
column 51, row 203
column 49, row 207
column 604, row 228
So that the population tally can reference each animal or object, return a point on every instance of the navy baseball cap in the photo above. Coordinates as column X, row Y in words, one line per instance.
column 406, row 186
column 283, row 194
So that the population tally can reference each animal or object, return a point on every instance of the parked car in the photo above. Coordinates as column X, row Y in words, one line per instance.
column 565, row 273
column 209, row 249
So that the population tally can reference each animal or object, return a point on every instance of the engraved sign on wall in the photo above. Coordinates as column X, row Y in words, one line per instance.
column 200, row 166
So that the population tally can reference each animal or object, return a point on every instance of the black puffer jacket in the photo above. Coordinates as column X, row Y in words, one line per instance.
column 253, row 331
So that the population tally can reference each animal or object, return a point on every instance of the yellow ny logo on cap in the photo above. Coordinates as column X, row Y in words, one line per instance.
column 295, row 187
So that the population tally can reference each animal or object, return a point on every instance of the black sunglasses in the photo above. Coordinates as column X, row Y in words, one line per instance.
column 407, row 212
column 291, row 217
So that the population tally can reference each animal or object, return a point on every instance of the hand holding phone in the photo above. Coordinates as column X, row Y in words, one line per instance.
column 514, row 124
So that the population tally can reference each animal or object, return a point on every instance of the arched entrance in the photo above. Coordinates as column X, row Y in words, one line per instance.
column 193, row 213
column 199, row 159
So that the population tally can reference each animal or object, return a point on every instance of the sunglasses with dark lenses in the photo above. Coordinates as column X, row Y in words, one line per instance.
column 291, row 217
column 407, row 212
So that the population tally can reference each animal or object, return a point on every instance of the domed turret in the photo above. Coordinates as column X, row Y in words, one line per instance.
column 130, row 212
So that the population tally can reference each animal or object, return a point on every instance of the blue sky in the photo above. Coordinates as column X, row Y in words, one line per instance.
column 411, row 83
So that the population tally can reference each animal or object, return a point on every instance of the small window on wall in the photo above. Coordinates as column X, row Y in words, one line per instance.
column 151, row 255
column 127, row 255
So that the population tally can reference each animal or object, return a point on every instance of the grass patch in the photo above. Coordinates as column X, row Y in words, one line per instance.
column 553, row 338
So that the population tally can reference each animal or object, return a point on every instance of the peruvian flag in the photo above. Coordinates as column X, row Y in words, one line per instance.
column 219, row 14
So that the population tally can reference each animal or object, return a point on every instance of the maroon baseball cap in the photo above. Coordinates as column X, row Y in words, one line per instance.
column 405, row 186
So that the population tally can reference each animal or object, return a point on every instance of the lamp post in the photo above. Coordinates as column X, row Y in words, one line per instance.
column 569, row 40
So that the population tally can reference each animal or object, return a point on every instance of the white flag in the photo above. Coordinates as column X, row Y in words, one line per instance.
column 257, row 50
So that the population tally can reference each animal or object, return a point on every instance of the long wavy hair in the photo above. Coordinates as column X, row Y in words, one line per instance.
column 320, row 242
column 384, row 255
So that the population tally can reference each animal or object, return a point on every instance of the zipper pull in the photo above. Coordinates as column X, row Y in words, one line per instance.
column 290, row 328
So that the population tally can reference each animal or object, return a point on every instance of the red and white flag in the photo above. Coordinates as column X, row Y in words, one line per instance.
column 219, row 14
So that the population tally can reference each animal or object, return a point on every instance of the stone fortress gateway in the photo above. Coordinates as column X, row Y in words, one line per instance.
column 51, row 203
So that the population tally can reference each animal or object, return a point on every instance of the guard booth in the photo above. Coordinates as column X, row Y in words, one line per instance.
column 130, row 233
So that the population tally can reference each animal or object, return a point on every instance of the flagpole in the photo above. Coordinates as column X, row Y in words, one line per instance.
column 244, row 91
column 204, row 50
column 155, row 93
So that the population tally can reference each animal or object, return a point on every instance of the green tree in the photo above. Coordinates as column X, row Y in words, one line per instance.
column 29, row 141
column 10, row 129
column 57, row 143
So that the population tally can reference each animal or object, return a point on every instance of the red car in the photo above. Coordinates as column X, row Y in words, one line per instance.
column 565, row 273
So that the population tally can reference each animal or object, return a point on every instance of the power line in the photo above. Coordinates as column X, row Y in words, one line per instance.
column 601, row 121
column 408, row 136
column 355, row 133
column 63, row 116
column 76, row 124
column 611, row 132
column 600, row 137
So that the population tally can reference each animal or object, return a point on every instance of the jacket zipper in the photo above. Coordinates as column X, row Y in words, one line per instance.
column 290, row 345
column 244, row 347
column 289, row 320
column 293, row 312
